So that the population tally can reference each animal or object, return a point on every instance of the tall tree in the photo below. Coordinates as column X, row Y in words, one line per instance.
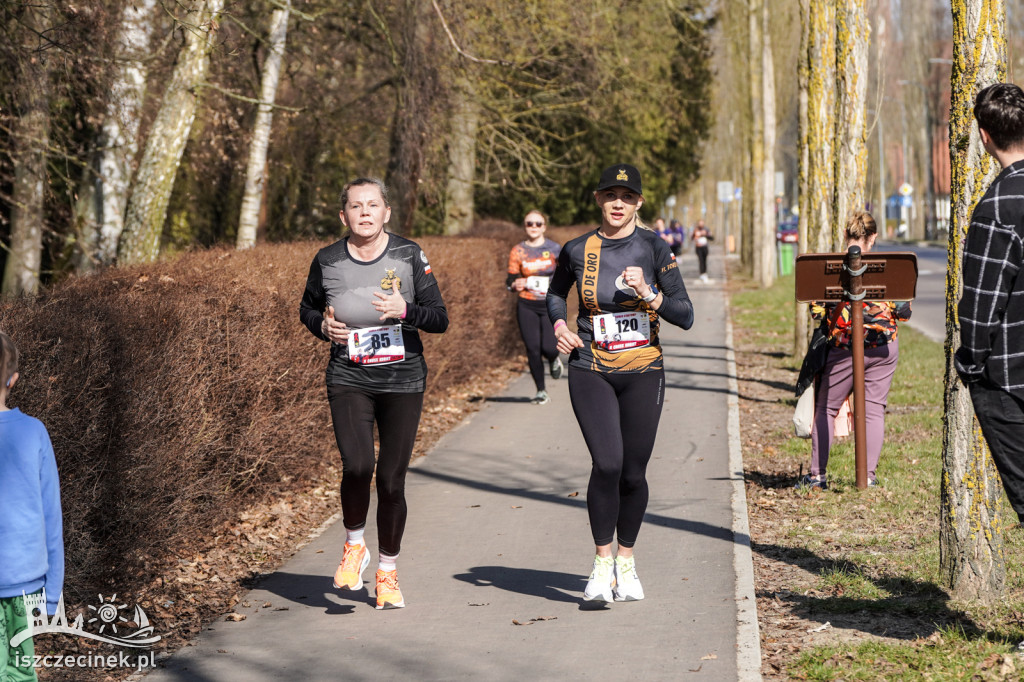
column 255, row 172
column 800, row 330
column 755, row 232
column 765, row 264
column 30, row 140
column 821, row 124
column 970, row 532
column 465, row 123
column 147, row 208
column 851, row 132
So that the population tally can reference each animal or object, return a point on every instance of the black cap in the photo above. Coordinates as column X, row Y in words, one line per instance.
column 621, row 175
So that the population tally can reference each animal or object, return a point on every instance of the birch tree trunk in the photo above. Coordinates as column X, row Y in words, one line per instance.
column 120, row 133
column 147, row 207
column 755, row 191
column 465, row 122
column 800, row 330
column 768, row 245
column 255, row 173
column 29, row 140
column 852, row 31
column 970, row 534
column 821, row 124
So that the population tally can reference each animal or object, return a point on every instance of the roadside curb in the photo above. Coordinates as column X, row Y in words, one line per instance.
column 748, row 637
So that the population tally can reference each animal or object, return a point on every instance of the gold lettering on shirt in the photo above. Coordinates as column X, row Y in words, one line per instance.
column 591, row 268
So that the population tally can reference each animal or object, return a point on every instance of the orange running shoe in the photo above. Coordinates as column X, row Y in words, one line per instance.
column 354, row 561
column 389, row 596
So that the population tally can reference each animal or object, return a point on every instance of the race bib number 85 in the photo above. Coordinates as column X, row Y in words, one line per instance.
column 376, row 345
column 616, row 332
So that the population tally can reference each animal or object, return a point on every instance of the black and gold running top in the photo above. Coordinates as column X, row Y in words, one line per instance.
column 595, row 264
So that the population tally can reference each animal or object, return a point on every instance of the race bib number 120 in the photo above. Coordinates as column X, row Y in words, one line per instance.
column 376, row 345
column 616, row 332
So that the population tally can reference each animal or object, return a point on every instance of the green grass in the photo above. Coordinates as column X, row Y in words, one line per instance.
column 879, row 548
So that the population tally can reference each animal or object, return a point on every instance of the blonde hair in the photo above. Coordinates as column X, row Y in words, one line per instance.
column 8, row 360
column 534, row 211
column 860, row 225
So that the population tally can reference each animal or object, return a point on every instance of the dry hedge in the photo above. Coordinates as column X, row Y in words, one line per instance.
column 179, row 392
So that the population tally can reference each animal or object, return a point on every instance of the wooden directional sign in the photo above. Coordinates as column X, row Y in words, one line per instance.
column 890, row 276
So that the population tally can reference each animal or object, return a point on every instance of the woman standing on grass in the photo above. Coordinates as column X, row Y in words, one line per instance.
column 368, row 294
column 530, row 266
column 881, row 352
column 627, row 281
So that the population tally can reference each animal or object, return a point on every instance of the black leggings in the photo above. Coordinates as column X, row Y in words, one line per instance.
column 702, row 258
column 538, row 335
column 618, row 415
column 353, row 411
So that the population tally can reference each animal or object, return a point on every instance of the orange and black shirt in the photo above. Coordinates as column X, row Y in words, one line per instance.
column 880, row 318
column 595, row 264
column 536, row 264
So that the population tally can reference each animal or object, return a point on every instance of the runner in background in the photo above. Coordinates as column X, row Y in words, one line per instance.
column 701, row 236
column 368, row 294
column 530, row 265
column 678, row 233
column 627, row 281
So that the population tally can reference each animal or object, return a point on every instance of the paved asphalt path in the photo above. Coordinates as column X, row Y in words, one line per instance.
column 929, row 307
column 498, row 549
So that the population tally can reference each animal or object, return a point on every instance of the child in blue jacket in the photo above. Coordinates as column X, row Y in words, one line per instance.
column 31, row 528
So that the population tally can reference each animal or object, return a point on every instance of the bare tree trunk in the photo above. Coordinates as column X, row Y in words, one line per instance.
column 255, row 173
column 851, row 132
column 417, row 84
column 755, row 192
column 465, row 121
column 147, row 208
column 800, row 327
column 30, row 139
column 768, row 245
column 821, row 125
column 970, row 533
column 120, row 135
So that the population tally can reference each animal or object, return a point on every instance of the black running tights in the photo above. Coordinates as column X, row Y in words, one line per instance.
column 702, row 258
column 354, row 411
column 618, row 415
column 539, row 337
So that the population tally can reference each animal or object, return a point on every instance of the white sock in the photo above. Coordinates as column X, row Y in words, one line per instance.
column 355, row 537
column 387, row 563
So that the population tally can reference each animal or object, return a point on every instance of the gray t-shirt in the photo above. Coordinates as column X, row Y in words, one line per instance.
column 337, row 279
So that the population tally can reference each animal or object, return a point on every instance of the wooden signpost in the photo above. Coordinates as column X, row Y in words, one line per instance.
column 852, row 277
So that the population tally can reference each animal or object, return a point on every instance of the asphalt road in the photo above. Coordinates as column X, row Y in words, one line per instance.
column 929, row 307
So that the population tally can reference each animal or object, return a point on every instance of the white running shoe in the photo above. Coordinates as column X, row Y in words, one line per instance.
column 556, row 368
column 602, row 580
column 541, row 398
column 627, row 583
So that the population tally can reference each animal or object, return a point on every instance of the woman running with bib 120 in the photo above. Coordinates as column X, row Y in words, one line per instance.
column 627, row 281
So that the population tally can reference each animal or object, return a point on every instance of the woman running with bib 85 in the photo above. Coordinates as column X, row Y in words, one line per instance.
column 368, row 294
column 627, row 281
column 530, row 264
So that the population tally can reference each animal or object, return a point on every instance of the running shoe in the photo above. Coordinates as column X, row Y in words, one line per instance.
column 354, row 561
column 556, row 368
column 627, row 583
column 541, row 398
column 389, row 596
column 873, row 482
column 602, row 580
column 809, row 481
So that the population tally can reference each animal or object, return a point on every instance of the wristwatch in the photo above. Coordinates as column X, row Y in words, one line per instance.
column 651, row 296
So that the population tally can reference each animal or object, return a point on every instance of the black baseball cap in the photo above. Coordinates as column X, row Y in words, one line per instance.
column 621, row 175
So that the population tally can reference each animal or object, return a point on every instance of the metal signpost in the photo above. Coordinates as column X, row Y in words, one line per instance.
column 853, row 277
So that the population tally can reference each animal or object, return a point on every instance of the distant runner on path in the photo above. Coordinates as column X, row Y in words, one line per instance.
column 616, row 375
column 530, row 266
column 368, row 294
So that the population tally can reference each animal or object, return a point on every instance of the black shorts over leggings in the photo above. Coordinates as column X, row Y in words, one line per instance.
column 354, row 411
column 618, row 415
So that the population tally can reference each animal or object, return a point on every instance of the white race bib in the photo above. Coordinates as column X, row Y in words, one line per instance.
column 616, row 332
column 376, row 345
column 538, row 284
